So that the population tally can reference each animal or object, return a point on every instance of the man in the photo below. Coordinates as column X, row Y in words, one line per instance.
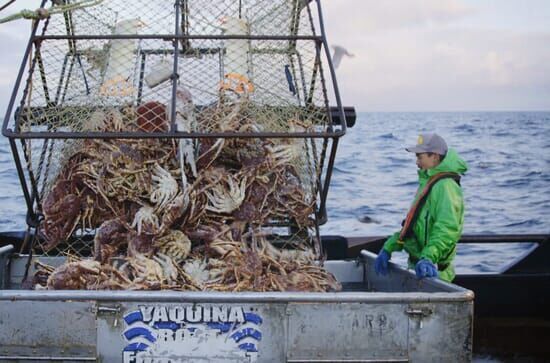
column 434, row 223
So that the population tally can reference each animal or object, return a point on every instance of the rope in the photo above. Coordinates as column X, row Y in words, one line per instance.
column 6, row 4
column 43, row 13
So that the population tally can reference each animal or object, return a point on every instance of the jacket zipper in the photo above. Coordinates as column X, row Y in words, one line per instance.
column 426, row 229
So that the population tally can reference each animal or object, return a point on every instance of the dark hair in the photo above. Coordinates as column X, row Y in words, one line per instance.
column 441, row 157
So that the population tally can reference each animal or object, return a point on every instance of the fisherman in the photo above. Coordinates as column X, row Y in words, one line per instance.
column 434, row 222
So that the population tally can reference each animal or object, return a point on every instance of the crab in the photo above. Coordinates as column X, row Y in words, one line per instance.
column 150, row 273
column 96, row 121
column 287, row 255
column 174, row 244
column 226, row 200
column 109, row 238
column 197, row 270
column 146, row 220
column 62, row 211
column 144, row 272
column 115, row 121
column 224, row 245
column 209, row 151
column 169, row 270
column 140, row 244
column 165, row 188
column 86, row 274
column 174, row 211
column 282, row 154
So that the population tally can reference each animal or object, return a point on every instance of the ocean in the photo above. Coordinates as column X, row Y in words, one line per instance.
column 506, row 189
column 507, row 186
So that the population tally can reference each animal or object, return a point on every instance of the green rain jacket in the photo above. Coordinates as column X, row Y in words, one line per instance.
column 440, row 220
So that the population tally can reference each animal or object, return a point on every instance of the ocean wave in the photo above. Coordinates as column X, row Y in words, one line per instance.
column 526, row 223
column 465, row 127
column 388, row 136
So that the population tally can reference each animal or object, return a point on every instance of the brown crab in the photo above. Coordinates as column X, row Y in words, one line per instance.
column 86, row 275
column 110, row 239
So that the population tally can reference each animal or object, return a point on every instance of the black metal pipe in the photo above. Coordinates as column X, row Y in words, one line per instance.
column 20, row 74
column 141, row 77
column 83, row 74
column 330, row 167
column 61, row 78
column 170, row 37
column 42, row 72
column 331, row 68
column 175, row 69
column 21, row 175
column 69, row 75
column 166, row 135
column 504, row 238
column 472, row 238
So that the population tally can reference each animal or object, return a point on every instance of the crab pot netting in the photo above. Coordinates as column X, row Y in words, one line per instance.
column 115, row 92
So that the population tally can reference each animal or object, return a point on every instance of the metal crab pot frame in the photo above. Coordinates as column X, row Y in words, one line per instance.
column 64, row 83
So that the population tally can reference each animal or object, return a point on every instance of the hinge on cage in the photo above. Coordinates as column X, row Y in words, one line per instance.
column 419, row 312
column 33, row 219
column 114, row 311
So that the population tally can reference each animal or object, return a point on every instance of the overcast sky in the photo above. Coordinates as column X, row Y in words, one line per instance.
column 411, row 55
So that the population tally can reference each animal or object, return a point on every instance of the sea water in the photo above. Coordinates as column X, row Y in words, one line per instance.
column 506, row 189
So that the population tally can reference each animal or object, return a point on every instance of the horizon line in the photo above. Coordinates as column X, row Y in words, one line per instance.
column 446, row 111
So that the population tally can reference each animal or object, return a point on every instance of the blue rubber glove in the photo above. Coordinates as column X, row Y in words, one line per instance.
column 425, row 268
column 381, row 262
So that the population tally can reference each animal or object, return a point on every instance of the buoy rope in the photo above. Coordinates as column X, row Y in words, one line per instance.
column 43, row 13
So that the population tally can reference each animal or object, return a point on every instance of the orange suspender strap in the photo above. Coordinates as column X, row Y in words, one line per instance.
column 417, row 205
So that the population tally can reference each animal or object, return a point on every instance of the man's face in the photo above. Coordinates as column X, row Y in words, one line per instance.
column 427, row 161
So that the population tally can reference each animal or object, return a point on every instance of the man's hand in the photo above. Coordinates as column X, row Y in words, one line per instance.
column 381, row 263
column 425, row 268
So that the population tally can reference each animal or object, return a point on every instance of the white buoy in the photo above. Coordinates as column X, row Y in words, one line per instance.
column 236, row 50
column 122, row 60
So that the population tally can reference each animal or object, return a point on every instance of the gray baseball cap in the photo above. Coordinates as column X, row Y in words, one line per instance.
column 429, row 143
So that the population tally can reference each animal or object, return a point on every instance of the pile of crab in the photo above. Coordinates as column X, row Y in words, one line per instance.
column 181, row 214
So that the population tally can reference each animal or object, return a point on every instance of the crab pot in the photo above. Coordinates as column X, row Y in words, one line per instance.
column 119, row 110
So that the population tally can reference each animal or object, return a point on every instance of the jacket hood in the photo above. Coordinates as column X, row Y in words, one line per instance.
column 452, row 163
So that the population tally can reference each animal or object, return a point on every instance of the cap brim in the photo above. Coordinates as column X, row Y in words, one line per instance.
column 416, row 149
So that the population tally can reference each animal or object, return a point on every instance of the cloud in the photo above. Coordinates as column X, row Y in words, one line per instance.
column 375, row 16
column 454, row 70
column 426, row 59
column 410, row 55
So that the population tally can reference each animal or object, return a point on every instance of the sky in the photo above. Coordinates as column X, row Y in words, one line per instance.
column 410, row 55
column 442, row 55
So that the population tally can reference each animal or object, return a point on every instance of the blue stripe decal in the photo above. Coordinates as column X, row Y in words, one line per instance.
column 166, row 325
column 223, row 327
column 133, row 317
column 249, row 347
column 254, row 318
column 247, row 332
column 135, row 347
column 136, row 332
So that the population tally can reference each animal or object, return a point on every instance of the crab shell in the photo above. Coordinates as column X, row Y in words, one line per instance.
column 174, row 244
